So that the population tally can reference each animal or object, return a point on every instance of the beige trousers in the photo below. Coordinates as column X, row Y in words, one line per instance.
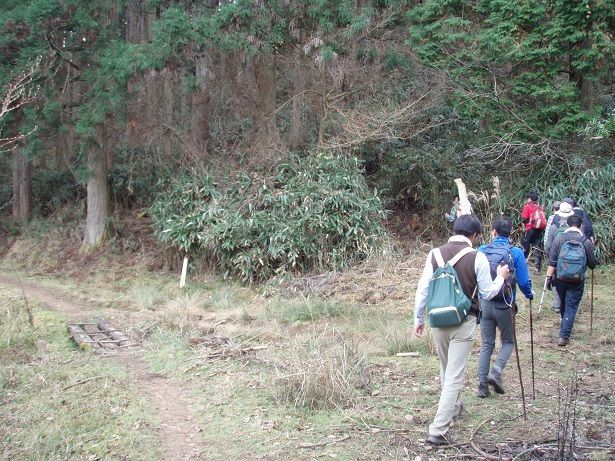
column 454, row 345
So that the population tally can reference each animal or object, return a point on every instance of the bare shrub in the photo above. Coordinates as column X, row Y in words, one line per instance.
column 567, row 430
column 324, row 372
column 183, row 312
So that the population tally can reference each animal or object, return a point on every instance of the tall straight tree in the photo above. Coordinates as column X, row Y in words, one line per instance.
column 83, row 83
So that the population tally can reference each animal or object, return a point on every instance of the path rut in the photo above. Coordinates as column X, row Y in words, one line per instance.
column 178, row 431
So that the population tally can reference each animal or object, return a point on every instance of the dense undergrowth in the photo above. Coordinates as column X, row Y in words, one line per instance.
column 313, row 214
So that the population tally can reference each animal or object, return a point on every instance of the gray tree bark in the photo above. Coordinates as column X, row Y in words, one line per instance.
column 22, row 185
column 98, row 210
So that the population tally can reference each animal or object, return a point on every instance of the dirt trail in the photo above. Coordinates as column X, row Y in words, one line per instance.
column 178, row 432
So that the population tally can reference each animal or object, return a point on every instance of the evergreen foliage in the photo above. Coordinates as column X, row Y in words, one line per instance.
column 515, row 89
column 517, row 66
column 313, row 214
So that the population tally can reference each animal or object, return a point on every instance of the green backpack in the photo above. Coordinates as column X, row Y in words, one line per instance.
column 447, row 304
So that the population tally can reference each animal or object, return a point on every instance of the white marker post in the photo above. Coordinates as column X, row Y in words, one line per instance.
column 182, row 279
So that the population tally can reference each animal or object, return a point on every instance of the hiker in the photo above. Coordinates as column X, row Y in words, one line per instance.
column 570, row 255
column 454, row 343
column 451, row 216
column 588, row 227
column 559, row 224
column 535, row 222
column 497, row 312
column 555, row 209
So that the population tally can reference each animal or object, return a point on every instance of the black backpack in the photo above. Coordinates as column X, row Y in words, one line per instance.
column 561, row 224
column 498, row 255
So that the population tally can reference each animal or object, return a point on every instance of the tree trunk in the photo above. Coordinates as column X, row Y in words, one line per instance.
column 265, row 77
column 296, row 127
column 97, row 197
column 22, row 185
column 199, row 116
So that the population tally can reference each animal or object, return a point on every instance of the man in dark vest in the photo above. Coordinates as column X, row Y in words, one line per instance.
column 454, row 343
column 570, row 292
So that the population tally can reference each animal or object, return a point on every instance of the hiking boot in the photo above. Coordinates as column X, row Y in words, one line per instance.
column 556, row 309
column 436, row 440
column 562, row 342
column 495, row 379
column 483, row 390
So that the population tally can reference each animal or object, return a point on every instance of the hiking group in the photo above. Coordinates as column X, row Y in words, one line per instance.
column 461, row 288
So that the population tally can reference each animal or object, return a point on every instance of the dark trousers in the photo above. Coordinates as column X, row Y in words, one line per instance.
column 570, row 295
column 533, row 238
column 495, row 315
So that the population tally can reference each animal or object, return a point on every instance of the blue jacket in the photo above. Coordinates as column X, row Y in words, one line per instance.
column 521, row 272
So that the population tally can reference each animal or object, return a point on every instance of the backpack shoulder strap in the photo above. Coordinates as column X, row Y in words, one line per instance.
column 438, row 256
column 455, row 259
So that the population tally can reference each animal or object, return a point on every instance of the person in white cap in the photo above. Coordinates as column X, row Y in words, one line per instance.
column 559, row 223
column 555, row 208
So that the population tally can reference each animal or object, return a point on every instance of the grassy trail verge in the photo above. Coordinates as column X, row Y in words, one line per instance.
column 315, row 376
column 172, row 431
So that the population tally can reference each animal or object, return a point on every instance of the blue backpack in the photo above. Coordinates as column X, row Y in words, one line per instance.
column 571, row 262
column 498, row 255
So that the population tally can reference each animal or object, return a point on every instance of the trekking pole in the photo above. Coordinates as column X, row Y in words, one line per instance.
column 532, row 351
column 542, row 298
column 512, row 312
column 591, row 306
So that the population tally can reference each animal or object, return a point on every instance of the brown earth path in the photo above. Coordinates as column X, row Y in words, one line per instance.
column 178, row 431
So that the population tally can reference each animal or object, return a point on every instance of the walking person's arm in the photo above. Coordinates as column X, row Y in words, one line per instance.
column 420, row 299
column 547, row 233
column 590, row 253
column 526, row 213
column 553, row 255
column 549, row 237
column 522, row 274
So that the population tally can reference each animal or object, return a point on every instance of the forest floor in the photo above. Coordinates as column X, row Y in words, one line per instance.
column 304, row 370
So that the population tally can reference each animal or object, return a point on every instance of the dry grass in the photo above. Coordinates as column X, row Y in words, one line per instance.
column 323, row 371
column 16, row 323
column 183, row 313
column 398, row 340
column 145, row 295
column 330, row 371
column 105, row 418
column 309, row 309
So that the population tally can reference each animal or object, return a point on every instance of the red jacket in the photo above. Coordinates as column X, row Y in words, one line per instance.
column 526, row 214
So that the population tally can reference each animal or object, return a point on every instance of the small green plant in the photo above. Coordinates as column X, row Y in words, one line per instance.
column 182, row 210
column 398, row 340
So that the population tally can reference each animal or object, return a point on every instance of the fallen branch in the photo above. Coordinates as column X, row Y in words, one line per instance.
column 83, row 381
column 532, row 449
column 323, row 444
column 231, row 352
column 477, row 449
column 560, row 349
